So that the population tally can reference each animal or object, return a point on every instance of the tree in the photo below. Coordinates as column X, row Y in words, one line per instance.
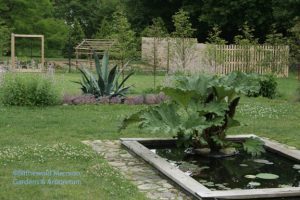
column 294, row 41
column 247, row 36
column 157, row 31
column 183, row 43
column 76, row 35
column 105, row 30
column 121, row 30
column 214, row 36
column 4, row 38
column 56, row 35
column 182, row 24
column 212, row 59
column 89, row 13
column 275, row 38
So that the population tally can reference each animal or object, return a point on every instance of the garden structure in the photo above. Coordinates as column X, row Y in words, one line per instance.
column 15, row 65
column 87, row 46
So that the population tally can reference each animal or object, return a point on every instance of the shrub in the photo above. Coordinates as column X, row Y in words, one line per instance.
column 257, row 85
column 24, row 91
column 268, row 86
column 298, row 94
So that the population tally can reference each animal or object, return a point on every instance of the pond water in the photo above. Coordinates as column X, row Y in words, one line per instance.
column 238, row 172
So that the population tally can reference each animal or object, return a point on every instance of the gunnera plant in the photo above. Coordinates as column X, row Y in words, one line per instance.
column 29, row 91
column 200, row 111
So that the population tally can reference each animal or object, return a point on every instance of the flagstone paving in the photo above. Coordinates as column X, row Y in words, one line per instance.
column 146, row 178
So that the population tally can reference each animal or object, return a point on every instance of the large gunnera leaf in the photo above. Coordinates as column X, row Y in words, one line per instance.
column 254, row 146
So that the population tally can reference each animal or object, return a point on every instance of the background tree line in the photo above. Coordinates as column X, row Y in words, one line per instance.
column 233, row 21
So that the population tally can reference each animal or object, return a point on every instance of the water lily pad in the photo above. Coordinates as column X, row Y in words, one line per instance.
column 284, row 186
column 209, row 184
column 220, row 185
column 203, row 168
column 267, row 176
column 250, row 176
column 202, row 181
column 296, row 167
column 254, row 184
column 262, row 161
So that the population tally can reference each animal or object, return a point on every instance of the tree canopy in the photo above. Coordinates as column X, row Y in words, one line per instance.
column 267, row 20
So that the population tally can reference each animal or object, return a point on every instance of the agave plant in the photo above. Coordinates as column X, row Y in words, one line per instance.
column 105, row 83
column 201, row 110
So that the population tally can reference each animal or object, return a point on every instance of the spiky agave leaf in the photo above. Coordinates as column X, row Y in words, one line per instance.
column 97, row 64
column 111, row 79
column 104, row 67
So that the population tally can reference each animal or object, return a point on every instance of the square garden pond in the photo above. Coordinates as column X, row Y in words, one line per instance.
column 273, row 175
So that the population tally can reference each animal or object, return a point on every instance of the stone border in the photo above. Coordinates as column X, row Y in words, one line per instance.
column 147, row 179
column 200, row 191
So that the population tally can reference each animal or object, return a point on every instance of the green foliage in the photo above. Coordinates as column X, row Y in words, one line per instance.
column 254, row 146
column 105, row 30
column 294, row 41
column 106, row 82
column 156, row 29
column 247, row 37
column 268, row 86
column 56, row 34
column 214, row 36
column 182, row 24
column 33, row 91
column 200, row 111
column 275, row 38
column 76, row 35
column 89, row 13
column 298, row 94
column 252, row 84
column 183, row 45
column 4, row 39
column 121, row 30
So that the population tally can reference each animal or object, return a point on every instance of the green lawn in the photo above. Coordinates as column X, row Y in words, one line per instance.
column 50, row 138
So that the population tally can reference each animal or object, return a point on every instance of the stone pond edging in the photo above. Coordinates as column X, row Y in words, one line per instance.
column 146, row 178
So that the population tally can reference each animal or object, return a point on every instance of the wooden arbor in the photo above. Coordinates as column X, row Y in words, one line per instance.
column 87, row 46
column 13, row 56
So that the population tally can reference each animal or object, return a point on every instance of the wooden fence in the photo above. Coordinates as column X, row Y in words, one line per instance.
column 261, row 59
column 218, row 59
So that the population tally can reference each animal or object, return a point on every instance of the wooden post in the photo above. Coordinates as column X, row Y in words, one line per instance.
column 13, row 62
column 76, row 58
column 168, row 55
column 43, row 52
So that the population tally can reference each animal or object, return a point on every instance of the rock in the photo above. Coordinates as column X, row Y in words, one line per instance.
column 150, row 99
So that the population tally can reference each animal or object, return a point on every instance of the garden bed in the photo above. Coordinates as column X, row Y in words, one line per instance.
column 282, row 156
column 147, row 99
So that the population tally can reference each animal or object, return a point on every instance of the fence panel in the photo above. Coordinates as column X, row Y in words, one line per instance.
column 255, row 58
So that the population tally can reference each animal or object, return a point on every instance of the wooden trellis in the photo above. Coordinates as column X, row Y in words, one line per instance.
column 88, row 46
column 13, row 55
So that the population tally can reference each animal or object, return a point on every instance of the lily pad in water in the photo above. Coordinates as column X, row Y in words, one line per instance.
column 296, row 167
column 250, row 176
column 266, row 162
column 267, row 176
column 254, row 184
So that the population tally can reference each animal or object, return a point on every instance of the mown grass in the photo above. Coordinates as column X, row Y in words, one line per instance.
column 23, row 128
